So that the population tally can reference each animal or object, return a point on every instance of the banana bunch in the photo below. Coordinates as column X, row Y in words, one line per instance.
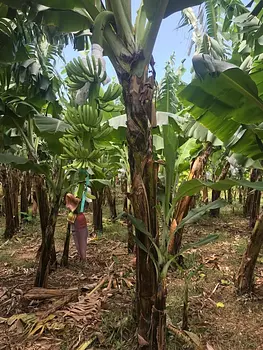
column 102, row 132
column 113, row 91
column 82, row 118
column 79, row 73
column 110, row 107
column 74, row 150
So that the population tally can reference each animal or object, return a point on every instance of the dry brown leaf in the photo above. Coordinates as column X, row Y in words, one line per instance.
column 195, row 339
column 142, row 342
column 87, row 308
column 17, row 326
column 209, row 347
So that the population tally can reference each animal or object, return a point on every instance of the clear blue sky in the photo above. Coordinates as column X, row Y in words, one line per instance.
column 169, row 40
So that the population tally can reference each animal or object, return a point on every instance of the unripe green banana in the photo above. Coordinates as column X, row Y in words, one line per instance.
column 90, row 66
column 81, row 114
column 103, row 133
column 84, row 68
column 69, row 152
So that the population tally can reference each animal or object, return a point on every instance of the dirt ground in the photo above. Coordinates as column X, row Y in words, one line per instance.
column 96, row 309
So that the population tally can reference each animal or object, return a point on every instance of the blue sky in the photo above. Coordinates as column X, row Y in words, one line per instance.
column 169, row 40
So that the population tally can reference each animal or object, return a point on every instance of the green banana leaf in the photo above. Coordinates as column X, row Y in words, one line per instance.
column 61, row 4
column 170, row 154
column 229, row 106
column 197, row 131
column 100, row 183
column 152, row 7
column 191, row 187
column 23, row 164
column 178, row 5
column 65, row 21
column 48, row 125
column 51, row 129
column 195, row 214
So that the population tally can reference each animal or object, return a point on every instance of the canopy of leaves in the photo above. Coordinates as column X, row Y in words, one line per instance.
column 229, row 106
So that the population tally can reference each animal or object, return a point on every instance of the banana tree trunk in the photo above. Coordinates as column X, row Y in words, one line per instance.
column 97, row 211
column 10, row 226
column 23, row 196
column 131, row 242
column 216, row 194
column 64, row 259
column 255, row 208
column 143, row 196
column 183, row 206
column 250, row 193
column 240, row 194
column 254, row 196
column 111, row 198
column 15, row 182
column 41, row 196
column 245, row 275
column 124, row 189
column 47, row 247
column 230, row 196
column 205, row 195
column 127, row 207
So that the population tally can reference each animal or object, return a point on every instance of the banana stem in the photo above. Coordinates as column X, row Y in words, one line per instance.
column 103, row 29
column 124, row 25
column 149, row 37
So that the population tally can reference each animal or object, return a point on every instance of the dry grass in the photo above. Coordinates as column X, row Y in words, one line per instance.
column 236, row 326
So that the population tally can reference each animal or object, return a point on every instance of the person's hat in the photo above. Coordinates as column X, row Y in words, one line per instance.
column 72, row 202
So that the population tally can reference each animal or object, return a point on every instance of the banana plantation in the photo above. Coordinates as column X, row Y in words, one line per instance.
column 130, row 201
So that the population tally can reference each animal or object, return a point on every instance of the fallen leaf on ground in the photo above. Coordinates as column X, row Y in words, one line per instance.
column 209, row 347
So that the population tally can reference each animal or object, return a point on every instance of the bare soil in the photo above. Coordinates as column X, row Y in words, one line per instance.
column 104, row 316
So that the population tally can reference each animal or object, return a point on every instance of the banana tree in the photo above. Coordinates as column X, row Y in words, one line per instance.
column 235, row 96
column 129, row 48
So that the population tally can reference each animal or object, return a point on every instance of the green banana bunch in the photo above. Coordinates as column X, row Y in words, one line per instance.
column 96, row 67
column 113, row 91
column 82, row 118
column 110, row 107
column 103, row 133
column 79, row 73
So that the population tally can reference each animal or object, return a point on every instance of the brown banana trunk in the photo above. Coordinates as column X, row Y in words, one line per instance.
column 64, row 259
column 47, row 247
column 205, row 195
column 97, row 211
column 240, row 194
column 127, row 207
column 124, row 189
column 184, row 204
column 15, row 182
column 131, row 242
column 216, row 194
column 23, row 196
column 150, row 305
column 44, row 212
column 255, row 208
column 41, row 198
column 10, row 226
column 245, row 275
column 111, row 198
column 230, row 196
column 250, row 193
column 254, row 196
